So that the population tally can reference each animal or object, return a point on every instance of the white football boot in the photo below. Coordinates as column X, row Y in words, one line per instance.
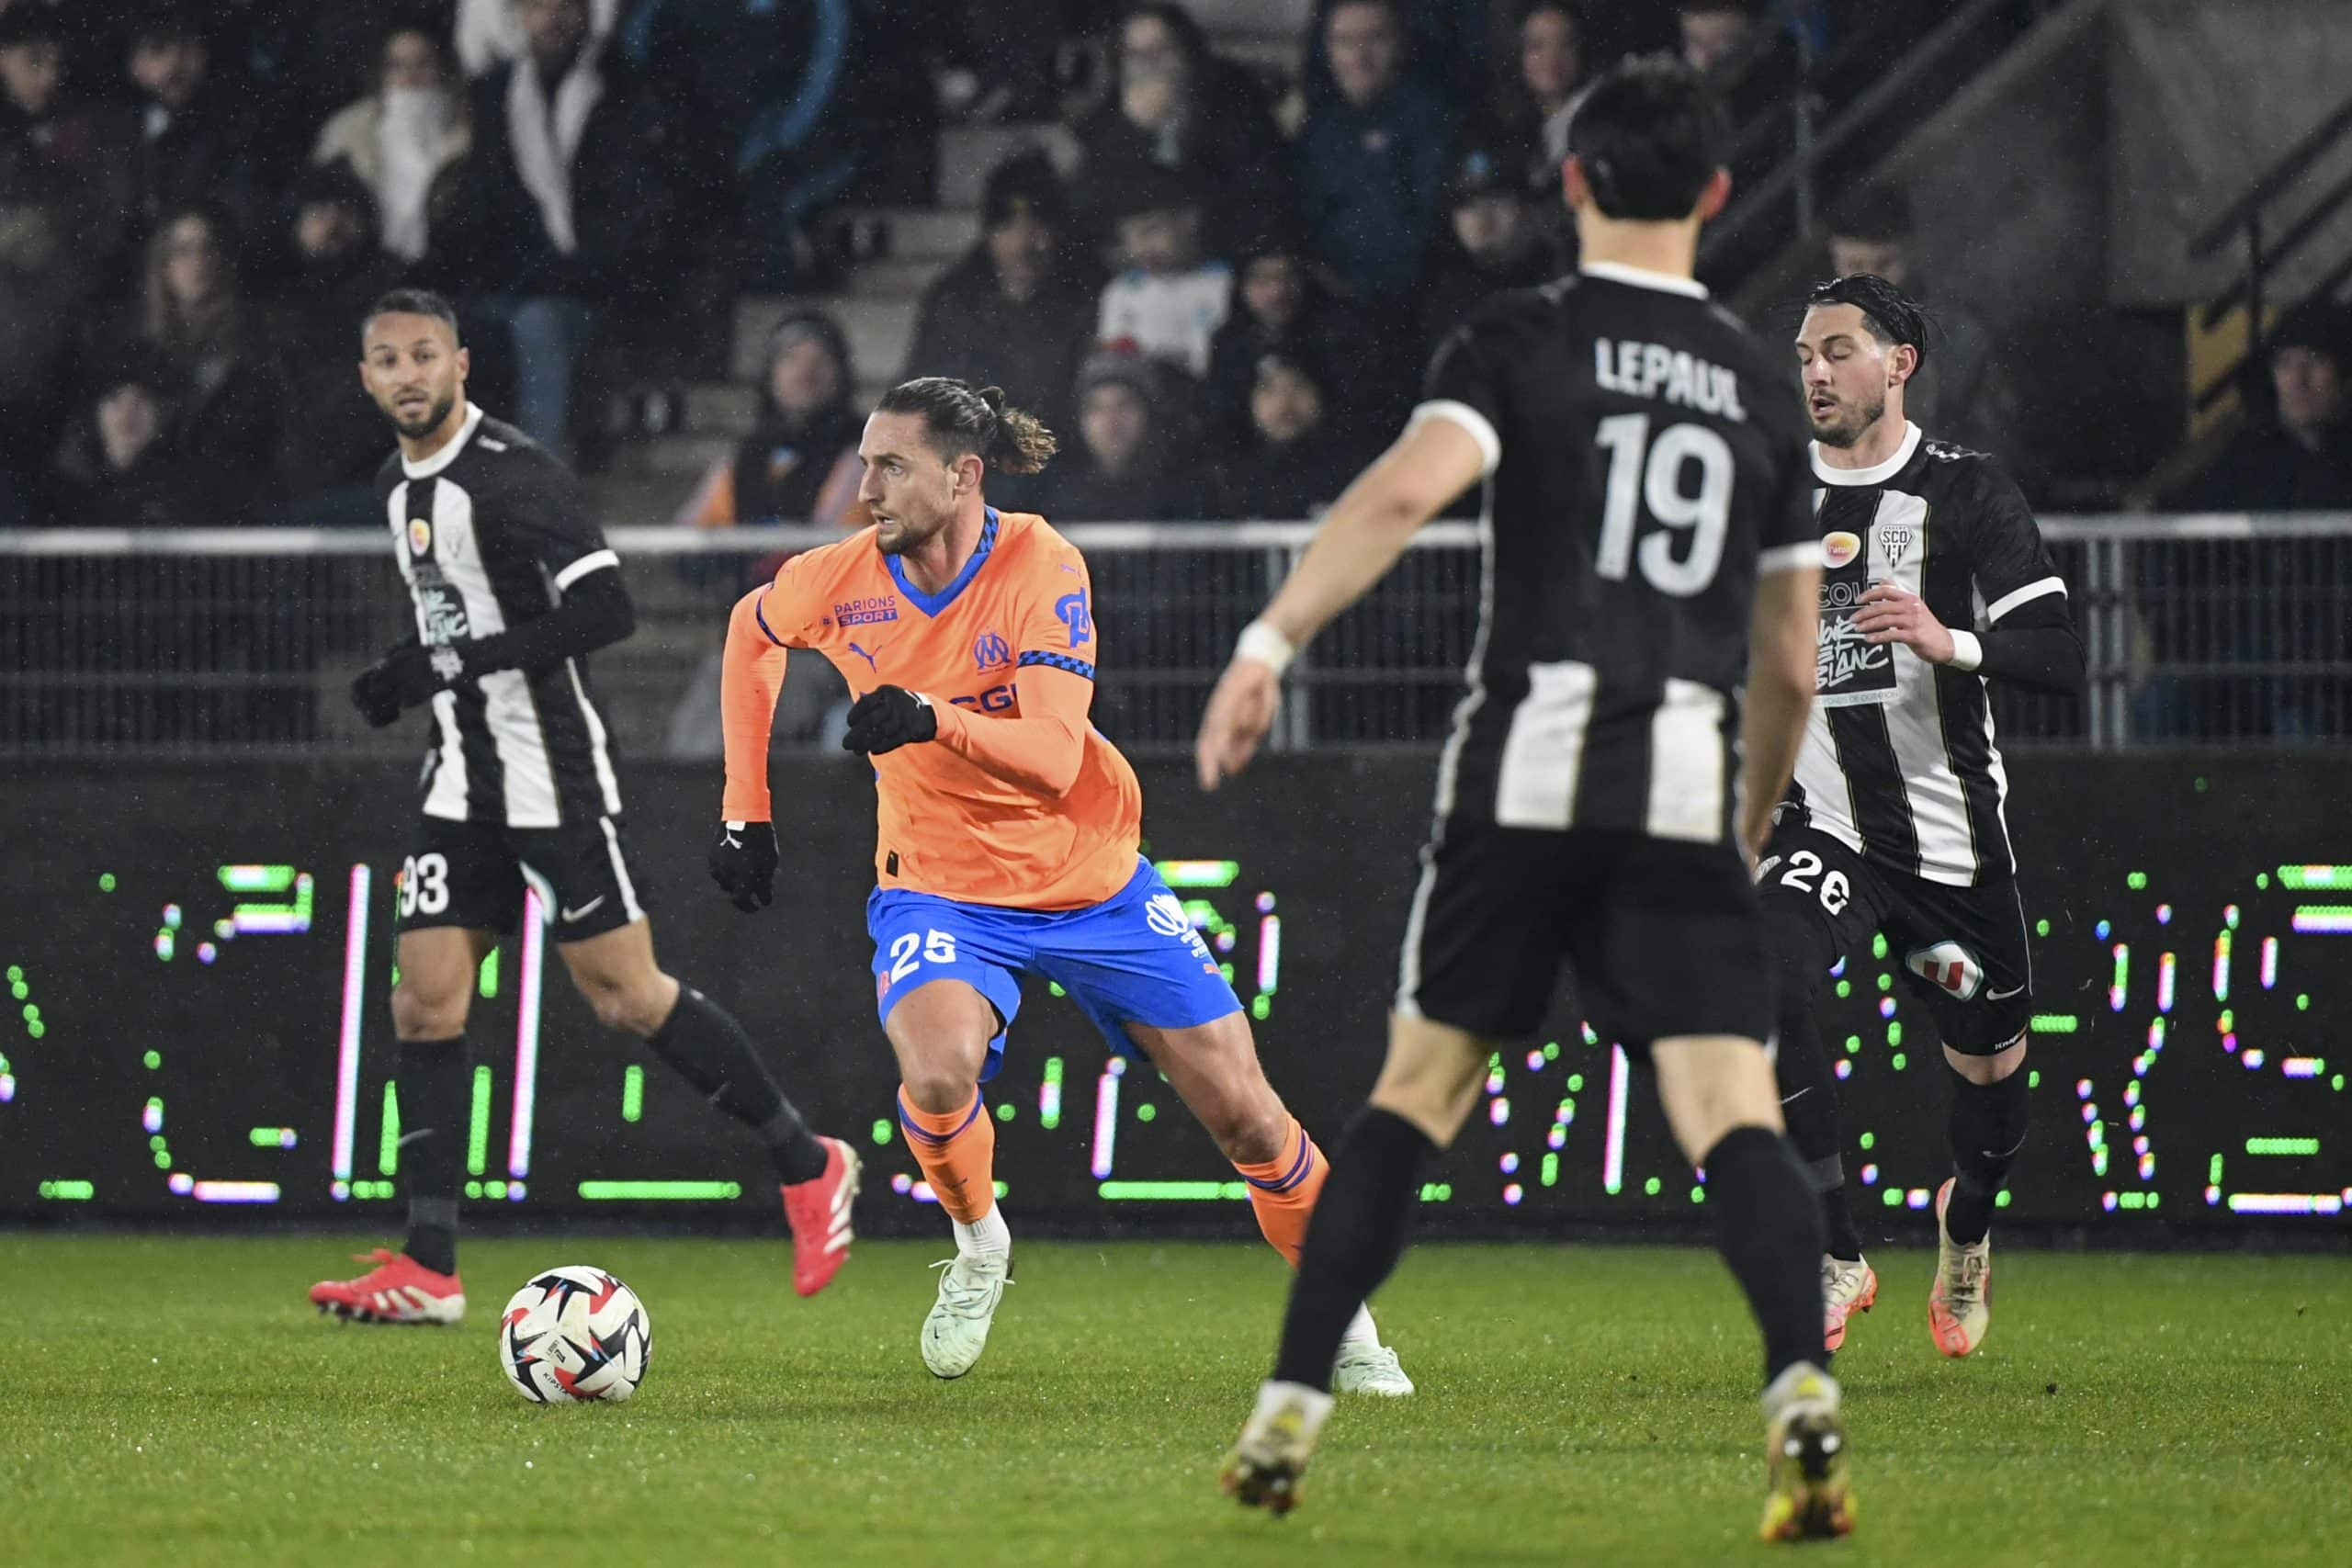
column 956, row 1331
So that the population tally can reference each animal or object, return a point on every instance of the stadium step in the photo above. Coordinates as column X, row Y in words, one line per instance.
column 966, row 153
column 729, row 408
column 879, row 330
column 921, row 233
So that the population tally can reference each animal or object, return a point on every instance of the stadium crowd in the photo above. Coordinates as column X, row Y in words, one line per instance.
column 1218, row 283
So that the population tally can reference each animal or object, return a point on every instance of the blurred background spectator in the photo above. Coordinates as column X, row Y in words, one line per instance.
column 2299, row 457
column 1959, row 394
column 197, row 122
column 489, row 33
column 41, row 285
column 1534, row 120
column 799, row 464
column 1371, row 157
column 1282, row 307
column 193, row 314
column 1169, row 300
column 1296, row 464
column 1177, row 106
column 332, row 438
column 1129, row 462
column 401, row 136
column 1492, row 243
column 121, row 465
column 53, row 123
column 1013, row 311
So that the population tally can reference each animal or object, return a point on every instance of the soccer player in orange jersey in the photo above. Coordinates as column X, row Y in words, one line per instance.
column 1008, row 833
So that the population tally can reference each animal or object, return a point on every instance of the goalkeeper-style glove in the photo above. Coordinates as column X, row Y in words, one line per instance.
column 888, row 717
column 410, row 673
column 743, row 862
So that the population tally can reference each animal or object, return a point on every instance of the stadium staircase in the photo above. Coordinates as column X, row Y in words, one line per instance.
column 875, row 306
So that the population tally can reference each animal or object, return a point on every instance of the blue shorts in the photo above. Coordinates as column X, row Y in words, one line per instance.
column 1134, row 958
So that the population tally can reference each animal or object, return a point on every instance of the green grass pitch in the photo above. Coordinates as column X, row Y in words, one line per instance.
column 176, row 1401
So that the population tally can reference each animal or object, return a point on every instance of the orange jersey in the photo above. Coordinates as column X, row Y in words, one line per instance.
column 1019, row 802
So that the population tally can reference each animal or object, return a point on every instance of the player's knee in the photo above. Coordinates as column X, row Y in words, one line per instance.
column 427, row 1012
column 638, row 1009
column 1985, row 1069
column 936, row 1087
column 1245, row 1131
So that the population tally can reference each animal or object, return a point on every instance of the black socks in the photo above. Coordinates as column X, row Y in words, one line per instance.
column 707, row 1048
column 1768, row 1229
column 432, row 1089
column 1353, row 1241
column 1988, row 1124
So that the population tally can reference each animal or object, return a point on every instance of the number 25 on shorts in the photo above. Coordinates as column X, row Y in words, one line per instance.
column 937, row 947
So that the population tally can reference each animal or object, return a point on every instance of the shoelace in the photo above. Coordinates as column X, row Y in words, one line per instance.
column 1966, row 1282
column 1376, row 1356
column 960, row 1297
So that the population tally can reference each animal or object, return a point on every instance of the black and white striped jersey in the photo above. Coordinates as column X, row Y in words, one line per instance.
column 490, row 531
column 1899, row 761
column 1645, row 460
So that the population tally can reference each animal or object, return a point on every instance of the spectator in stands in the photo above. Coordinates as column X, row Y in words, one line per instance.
column 1960, row 395
column 401, row 136
column 91, row 146
column 1445, row 44
column 799, row 464
column 1281, row 307
column 1012, row 313
column 2299, row 458
column 1297, row 464
column 121, row 466
column 330, row 437
column 1715, row 33
column 194, row 313
column 1551, row 70
column 1179, row 107
column 775, row 94
column 491, row 32
column 1170, row 300
column 198, row 124
column 1495, row 244
column 40, row 288
column 1371, row 160
column 561, row 209
column 1126, row 467
column 1752, row 79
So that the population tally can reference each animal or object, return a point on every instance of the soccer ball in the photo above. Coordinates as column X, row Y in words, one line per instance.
column 574, row 1333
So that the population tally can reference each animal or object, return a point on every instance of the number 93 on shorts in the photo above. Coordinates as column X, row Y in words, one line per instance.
column 1134, row 958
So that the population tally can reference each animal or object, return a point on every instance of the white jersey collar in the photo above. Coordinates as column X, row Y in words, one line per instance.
column 449, row 454
column 1643, row 277
column 1877, row 473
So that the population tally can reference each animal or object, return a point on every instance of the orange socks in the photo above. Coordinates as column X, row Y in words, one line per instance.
column 957, row 1153
column 1283, row 1191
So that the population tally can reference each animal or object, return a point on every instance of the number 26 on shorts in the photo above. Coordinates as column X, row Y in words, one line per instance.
column 1804, row 873
column 937, row 947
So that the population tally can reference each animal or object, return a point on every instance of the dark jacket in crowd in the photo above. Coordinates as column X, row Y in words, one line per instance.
column 2266, row 469
column 1031, row 347
column 332, row 433
column 1228, row 148
column 1288, row 482
column 1369, row 180
column 1457, row 282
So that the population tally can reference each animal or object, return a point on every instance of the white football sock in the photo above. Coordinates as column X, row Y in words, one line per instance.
column 989, row 1233
column 1361, row 1330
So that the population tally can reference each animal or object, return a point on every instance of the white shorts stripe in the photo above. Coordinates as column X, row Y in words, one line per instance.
column 1688, row 767
column 1542, row 758
column 1788, row 557
column 620, row 870
column 1409, row 962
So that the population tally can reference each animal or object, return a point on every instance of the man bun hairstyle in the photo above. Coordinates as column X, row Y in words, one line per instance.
column 1891, row 316
column 1649, row 136
column 961, row 419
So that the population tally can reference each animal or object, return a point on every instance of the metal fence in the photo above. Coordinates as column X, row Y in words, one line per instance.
column 2204, row 629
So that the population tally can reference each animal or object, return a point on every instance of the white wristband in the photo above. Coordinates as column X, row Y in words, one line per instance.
column 1267, row 646
column 1967, row 651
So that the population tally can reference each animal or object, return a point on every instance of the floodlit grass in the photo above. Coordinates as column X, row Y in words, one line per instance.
column 176, row 1400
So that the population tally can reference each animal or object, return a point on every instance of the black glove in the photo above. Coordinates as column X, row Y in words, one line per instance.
column 888, row 717
column 743, row 862
column 410, row 673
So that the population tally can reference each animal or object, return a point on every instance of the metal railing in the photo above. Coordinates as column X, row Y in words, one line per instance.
column 240, row 643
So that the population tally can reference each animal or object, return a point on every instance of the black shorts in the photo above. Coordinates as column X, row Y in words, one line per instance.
column 1663, row 937
column 1960, row 950
column 473, row 874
